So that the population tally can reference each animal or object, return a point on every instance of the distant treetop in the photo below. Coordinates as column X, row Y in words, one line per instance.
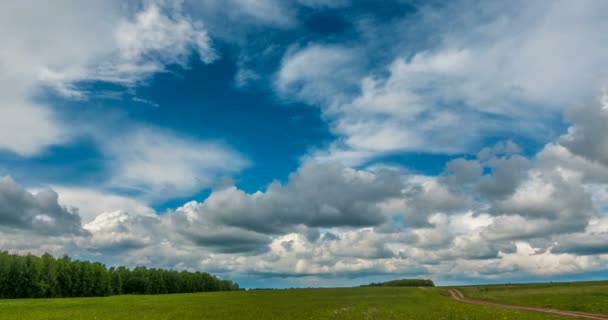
column 403, row 283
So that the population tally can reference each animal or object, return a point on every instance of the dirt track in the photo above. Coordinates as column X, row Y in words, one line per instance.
column 457, row 295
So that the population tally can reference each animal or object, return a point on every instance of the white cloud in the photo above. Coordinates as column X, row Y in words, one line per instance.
column 497, row 214
column 60, row 44
column 316, row 73
column 508, row 70
column 121, row 231
column 158, row 163
column 141, row 45
column 34, row 38
column 27, row 128
column 309, row 227
column 92, row 202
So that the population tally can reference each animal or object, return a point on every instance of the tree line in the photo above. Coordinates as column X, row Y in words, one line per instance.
column 403, row 283
column 29, row 276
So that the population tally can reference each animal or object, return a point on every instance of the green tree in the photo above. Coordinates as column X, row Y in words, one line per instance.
column 32, row 277
column 50, row 282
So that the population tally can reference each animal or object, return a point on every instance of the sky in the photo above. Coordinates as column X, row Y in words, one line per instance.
column 309, row 142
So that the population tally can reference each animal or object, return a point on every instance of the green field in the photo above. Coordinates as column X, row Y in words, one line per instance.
column 355, row 303
column 574, row 296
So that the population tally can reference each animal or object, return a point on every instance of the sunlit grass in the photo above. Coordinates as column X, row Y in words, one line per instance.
column 575, row 296
column 355, row 303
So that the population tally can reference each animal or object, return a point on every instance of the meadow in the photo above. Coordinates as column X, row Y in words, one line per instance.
column 341, row 303
column 574, row 296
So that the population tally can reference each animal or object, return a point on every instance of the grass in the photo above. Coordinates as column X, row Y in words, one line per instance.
column 353, row 303
column 574, row 296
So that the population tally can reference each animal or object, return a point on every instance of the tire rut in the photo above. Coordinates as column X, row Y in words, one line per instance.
column 457, row 295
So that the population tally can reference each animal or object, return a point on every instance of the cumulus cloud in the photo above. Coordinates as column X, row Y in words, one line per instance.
column 92, row 202
column 119, row 231
column 492, row 214
column 547, row 226
column 40, row 212
column 425, row 196
column 329, row 220
column 588, row 126
column 582, row 244
column 317, row 195
column 507, row 174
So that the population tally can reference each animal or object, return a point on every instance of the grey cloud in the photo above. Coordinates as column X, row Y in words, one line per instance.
column 500, row 149
column 461, row 171
column 436, row 237
column 200, row 230
column 479, row 248
column 317, row 195
column 463, row 186
column 364, row 249
column 328, row 236
column 312, row 235
column 582, row 244
column 231, row 241
column 41, row 212
column 586, row 135
column 423, row 200
column 556, row 155
column 552, row 204
column 287, row 245
column 507, row 174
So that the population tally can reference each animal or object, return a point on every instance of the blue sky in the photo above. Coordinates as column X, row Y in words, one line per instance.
column 309, row 142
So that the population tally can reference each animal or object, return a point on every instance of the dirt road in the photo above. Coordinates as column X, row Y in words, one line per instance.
column 457, row 295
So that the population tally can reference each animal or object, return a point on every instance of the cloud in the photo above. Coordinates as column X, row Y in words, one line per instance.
column 230, row 240
column 317, row 72
column 325, row 3
column 43, row 127
column 154, row 162
column 317, row 195
column 499, row 70
column 106, row 41
column 93, row 202
column 249, row 14
column 591, row 242
column 460, row 172
column 588, row 125
column 496, row 70
column 425, row 197
column 26, row 30
column 507, row 174
column 328, row 220
column 119, row 231
column 141, row 46
column 582, row 244
column 557, row 156
column 40, row 212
